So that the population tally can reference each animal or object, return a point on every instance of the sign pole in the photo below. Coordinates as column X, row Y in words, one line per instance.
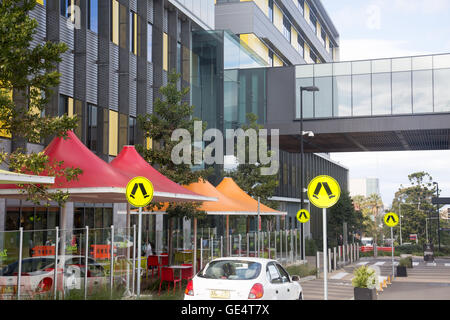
column 325, row 249
column 139, row 246
column 392, row 249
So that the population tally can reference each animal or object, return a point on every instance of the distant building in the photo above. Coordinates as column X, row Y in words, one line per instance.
column 364, row 186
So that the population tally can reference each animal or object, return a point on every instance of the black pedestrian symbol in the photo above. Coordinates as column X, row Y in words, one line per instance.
column 391, row 217
column 303, row 214
column 141, row 186
column 327, row 189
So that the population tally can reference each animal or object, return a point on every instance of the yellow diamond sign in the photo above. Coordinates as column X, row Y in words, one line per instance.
column 303, row 216
column 324, row 191
column 139, row 192
column 391, row 219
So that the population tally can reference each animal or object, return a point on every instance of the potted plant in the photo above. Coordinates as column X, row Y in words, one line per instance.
column 365, row 282
column 401, row 268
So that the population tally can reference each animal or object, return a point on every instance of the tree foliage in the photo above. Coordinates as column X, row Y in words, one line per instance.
column 248, row 175
column 27, row 75
column 415, row 204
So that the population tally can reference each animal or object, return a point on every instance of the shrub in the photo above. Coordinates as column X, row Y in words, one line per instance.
column 302, row 270
column 311, row 247
column 365, row 277
column 406, row 262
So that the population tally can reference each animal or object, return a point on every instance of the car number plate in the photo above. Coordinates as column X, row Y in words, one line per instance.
column 220, row 294
column 9, row 289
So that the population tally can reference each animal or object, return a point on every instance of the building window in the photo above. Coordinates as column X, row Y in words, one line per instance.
column 132, row 131
column 286, row 28
column 123, row 130
column 65, row 105
column 149, row 42
column 313, row 22
column 64, row 6
column 92, row 122
column 133, row 32
column 301, row 5
column 93, row 15
column 270, row 58
column 178, row 57
column 270, row 10
column 301, row 46
column 323, row 36
column 313, row 57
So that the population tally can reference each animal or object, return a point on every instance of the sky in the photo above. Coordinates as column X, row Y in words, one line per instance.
column 384, row 29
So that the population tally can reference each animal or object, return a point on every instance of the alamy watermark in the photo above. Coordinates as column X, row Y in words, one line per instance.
column 190, row 149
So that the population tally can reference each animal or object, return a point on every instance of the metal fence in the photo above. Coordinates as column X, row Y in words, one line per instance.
column 82, row 263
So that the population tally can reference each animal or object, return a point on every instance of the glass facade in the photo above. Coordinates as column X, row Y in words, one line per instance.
column 382, row 87
column 93, row 15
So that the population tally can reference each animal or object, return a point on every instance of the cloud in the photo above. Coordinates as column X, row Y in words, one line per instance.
column 364, row 48
column 414, row 6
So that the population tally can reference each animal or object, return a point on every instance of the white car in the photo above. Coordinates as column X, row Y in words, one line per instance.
column 38, row 275
column 242, row 278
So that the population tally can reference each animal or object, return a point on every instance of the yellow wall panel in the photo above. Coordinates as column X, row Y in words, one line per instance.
column 294, row 38
column 113, row 132
column 256, row 45
column 165, row 51
column 277, row 61
column 278, row 18
column 41, row 2
column 306, row 12
column 319, row 30
column 307, row 54
column 115, row 22
column 327, row 43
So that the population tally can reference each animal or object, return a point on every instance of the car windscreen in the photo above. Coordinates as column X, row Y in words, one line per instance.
column 231, row 270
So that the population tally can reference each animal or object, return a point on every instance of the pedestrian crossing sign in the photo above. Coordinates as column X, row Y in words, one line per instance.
column 323, row 191
column 303, row 215
column 391, row 219
column 139, row 192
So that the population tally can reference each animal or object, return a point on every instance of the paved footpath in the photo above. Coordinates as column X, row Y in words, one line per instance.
column 426, row 276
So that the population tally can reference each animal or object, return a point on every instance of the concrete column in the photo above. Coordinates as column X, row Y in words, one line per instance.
column 2, row 221
column 119, row 220
column 65, row 225
column 187, row 243
column 159, row 233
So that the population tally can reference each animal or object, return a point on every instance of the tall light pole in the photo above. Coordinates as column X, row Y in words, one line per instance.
column 257, row 223
column 438, row 218
column 302, row 133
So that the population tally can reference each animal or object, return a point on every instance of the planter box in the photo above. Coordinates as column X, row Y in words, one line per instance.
column 365, row 294
column 401, row 271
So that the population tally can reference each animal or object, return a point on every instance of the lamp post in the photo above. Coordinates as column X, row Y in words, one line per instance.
column 302, row 133
column 257, row 222
column 438, row 218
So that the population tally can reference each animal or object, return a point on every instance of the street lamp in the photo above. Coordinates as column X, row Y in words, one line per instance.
column 437, row 208
column 310, row 134
column 257, row 223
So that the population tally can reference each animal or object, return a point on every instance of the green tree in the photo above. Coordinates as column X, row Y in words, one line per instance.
column 343, row 211
column 249, row 178
column 171, row 113
column 375, row 203
column 416, row 204
column 27, row 76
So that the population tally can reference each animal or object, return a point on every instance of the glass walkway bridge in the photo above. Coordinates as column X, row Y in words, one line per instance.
column 371, row 105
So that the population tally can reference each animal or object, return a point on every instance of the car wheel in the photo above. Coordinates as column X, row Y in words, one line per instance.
column 300, row 296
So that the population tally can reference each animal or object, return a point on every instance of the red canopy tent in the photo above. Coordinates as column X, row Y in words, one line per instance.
column 100, row 182
column 130, row 160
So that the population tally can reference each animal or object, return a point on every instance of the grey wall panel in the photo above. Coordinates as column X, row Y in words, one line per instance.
column 150, row 88
column 133, row 5
column 164, row 78
column 150, row 11
column 133, row 85
column 39, row 14
column 92, row 68
column 280, row 94
column 114, row 77
column 66, row 67
column 166, row 21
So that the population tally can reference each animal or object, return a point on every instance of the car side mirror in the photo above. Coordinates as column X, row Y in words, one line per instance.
column 295, row 278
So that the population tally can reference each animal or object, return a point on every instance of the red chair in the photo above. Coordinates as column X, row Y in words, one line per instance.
column 167, row 274
column 152, row 261
column 187, row 274
column 164, row 262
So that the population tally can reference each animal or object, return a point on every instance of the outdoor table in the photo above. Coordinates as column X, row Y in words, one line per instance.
column 176, row 267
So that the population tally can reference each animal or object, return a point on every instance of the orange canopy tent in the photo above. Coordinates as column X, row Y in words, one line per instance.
column 229, row 188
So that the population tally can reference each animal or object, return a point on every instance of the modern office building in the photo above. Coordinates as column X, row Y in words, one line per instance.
column 364, row 186
column 120, row 53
